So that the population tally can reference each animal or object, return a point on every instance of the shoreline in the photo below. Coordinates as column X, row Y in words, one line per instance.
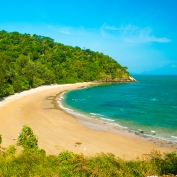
column 87, row 118
column 106, row 126
column 58, row 131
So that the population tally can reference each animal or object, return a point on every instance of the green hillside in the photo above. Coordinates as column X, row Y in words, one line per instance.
column 30, row 61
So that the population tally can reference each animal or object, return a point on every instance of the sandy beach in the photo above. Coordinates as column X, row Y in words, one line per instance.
column 58, row 131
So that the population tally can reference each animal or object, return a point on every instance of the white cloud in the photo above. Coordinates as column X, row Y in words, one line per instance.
column 74, row 31
column 63, row 30
column 133, row 34
column 121, row 28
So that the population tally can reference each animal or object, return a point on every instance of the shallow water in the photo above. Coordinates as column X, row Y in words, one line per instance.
column 149, row 104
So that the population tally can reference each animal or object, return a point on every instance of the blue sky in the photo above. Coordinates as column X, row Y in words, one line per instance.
column 139, row 34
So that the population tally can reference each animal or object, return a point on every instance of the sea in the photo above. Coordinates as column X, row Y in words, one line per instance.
column 148, row 106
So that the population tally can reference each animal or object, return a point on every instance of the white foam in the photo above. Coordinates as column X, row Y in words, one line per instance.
column 61, row 96
column 93, row 114
column 152, row 134
column 118, row 125
column 107, row 119
column 71, row 111
column 96, row 114
column 174, row 137
column 102, row 119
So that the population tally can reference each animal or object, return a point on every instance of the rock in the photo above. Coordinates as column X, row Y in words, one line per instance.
column 132, row 79
column 128, row 79
column 141, row 131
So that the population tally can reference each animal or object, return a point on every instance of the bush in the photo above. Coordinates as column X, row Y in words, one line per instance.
column 27, row 139
column 10, row 150
column 0, row 139
column 33, row 161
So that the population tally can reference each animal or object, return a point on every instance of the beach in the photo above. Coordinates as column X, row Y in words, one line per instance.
column 59, row 131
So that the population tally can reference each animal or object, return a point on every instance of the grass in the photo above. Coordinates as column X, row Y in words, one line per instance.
column 37, row 164
column 33, row 162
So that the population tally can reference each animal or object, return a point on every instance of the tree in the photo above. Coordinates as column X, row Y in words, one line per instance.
column 30, row 61
column 27, row 139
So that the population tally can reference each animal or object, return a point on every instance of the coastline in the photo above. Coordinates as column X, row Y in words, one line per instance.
column 106, row 125
column 58, row 131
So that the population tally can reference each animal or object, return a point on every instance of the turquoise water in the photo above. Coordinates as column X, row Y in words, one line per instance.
column 149, row 104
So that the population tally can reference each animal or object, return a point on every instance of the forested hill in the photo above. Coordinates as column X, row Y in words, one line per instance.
column 29, row 61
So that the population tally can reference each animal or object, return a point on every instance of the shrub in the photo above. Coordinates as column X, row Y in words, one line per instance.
column 0, row 139
column 10, row 150
column 0, row 142
column 27, row 139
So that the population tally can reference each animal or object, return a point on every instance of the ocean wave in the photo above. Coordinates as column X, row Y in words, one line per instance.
column 118, row 125
column 99, row 117
column 172, row 139
column 111, row 120
column 94, row 114
column 61, row 96
column 83, row 87
column 69, row 110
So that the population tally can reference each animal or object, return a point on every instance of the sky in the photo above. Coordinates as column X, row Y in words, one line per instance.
column 139, row 34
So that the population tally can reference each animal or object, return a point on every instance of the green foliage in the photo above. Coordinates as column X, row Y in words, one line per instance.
column 7, row 89
column 20, row 83
column 0, row 139
column 27, row 139
column 11, row 150
column 34, row 162
column 30, row 61
column 66, row 164
column 166, row 164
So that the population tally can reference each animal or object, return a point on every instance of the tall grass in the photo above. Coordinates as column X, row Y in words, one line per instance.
column 37, row 163
column 33, row 162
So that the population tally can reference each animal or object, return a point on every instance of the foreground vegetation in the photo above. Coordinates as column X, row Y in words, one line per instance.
column 32, row 161
column 30, row 61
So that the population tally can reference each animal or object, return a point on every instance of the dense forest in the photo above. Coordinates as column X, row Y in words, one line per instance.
column 30, row 61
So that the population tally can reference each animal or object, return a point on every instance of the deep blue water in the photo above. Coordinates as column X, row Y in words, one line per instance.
column 149, row 104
